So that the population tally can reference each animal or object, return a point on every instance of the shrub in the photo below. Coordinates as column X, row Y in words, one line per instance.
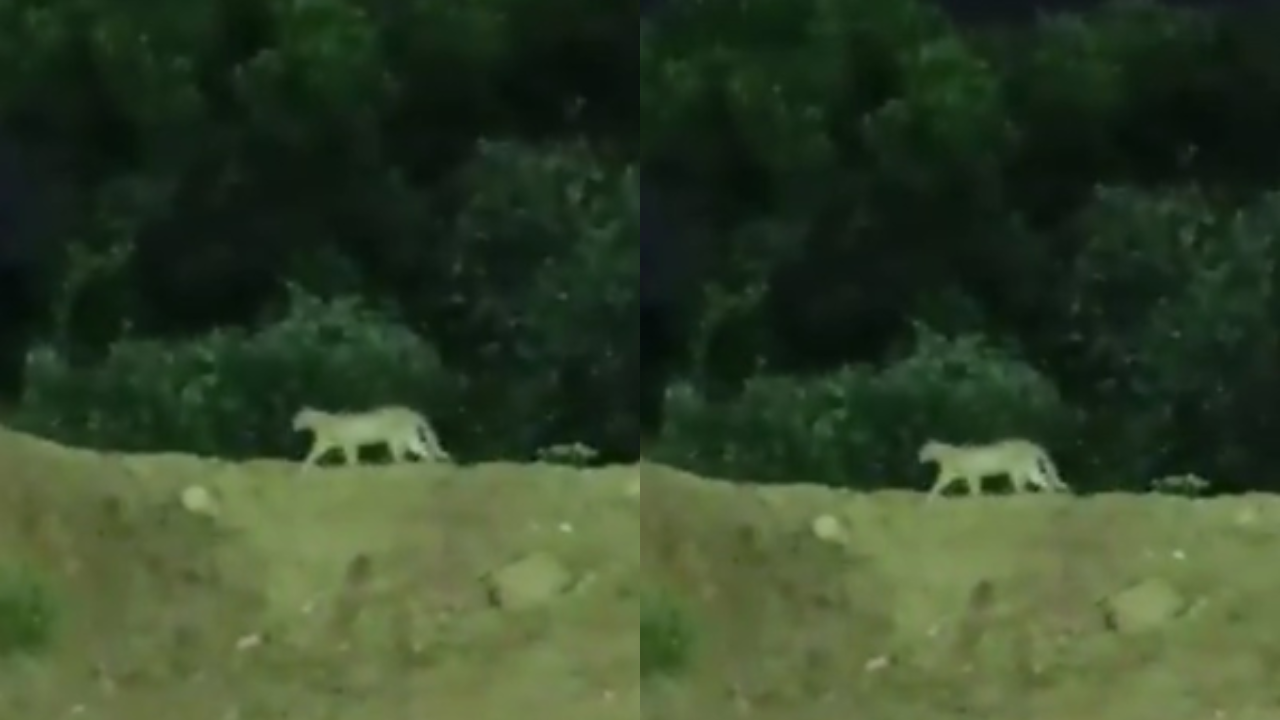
column 1171, row 302
column 667, row 637
column 232, row 393
column 28, row 613
column 544, row 281
column 861, row 427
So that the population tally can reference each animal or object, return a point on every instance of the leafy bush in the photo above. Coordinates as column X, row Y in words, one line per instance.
column 544, row 281
column 28, row 612
column 861, row 427
column 667, row 637
column 232, row 393
column 1171, row 300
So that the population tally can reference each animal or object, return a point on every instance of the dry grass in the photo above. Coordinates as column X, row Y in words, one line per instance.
column 332, row 595
column 358, row 594
column 963, row 608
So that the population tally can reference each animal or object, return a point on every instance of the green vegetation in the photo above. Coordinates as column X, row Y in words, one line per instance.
column 28, row 613
column 667, row 638
column 897, row 227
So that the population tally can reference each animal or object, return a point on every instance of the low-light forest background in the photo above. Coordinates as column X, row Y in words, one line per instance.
column 892, row 226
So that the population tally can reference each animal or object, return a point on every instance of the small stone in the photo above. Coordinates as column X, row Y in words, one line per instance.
column 197, row 500
column 529, row 582
column 1143, row 607
column 828, row 528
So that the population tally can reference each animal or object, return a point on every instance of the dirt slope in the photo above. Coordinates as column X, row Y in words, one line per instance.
column 344, row 595
column 994, row 609
column 362, row 595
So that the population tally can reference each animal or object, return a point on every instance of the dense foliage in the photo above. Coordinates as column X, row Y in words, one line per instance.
column 899, row 228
